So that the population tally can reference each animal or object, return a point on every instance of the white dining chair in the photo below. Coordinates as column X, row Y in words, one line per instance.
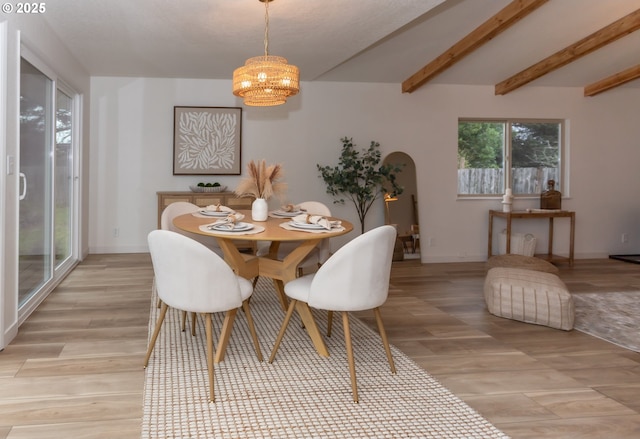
column 190, row 277
column 318, row 256
column 181, row 208
column 354, row 278
column 166, row 223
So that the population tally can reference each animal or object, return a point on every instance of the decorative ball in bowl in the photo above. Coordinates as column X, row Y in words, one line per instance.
column 208, row 187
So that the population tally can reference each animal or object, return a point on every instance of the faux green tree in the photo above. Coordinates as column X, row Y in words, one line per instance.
column 360, row 178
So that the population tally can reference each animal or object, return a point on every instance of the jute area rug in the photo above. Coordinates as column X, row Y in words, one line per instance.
column 614, row 317
column 300, row 395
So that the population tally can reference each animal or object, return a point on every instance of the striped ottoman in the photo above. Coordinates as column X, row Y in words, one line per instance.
column 520, row 261
column 529, row 296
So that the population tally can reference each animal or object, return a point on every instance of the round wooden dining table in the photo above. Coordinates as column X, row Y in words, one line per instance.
column 249, row 266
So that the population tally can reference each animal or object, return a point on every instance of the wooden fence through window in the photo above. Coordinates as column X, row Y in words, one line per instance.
column 491, row 180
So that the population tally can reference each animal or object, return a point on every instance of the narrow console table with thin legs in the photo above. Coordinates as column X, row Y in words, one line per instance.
column 509, row 216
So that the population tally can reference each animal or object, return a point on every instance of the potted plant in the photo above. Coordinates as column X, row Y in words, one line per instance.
column 262, row 183
column 360, row 177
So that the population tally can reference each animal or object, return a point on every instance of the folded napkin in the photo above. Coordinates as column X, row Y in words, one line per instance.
column 291, row 208
column 307, row 218
column 218, row 208
column 230, row 221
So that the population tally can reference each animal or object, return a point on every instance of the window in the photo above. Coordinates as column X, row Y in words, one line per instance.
column 521, row 154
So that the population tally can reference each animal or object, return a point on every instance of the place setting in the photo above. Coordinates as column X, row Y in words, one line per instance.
column 306, row 222
column 287, row 211
column 232, row 224
column 214, row 211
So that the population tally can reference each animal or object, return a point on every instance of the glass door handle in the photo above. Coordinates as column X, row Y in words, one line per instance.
column 23, row 194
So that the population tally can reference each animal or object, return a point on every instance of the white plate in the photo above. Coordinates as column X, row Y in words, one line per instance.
column 239, row 227
column 284, row 214
column 214, row 213
column 306, row 226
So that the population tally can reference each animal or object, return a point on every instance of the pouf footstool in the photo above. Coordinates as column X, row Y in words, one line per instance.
column 529, row 296
column 520, row 261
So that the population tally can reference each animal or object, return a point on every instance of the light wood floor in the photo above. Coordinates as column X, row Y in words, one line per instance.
column 74, row 371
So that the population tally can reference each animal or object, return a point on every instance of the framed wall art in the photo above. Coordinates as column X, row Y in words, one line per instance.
column 207, row 140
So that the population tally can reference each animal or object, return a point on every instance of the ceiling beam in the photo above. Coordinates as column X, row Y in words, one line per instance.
column 508, row 16
column 612, row 81
column 618, row 29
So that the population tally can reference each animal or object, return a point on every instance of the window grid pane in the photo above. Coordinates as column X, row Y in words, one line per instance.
column 528, row 157
column 481, row 157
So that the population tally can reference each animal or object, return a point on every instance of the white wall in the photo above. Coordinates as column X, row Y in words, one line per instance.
column 131, row 150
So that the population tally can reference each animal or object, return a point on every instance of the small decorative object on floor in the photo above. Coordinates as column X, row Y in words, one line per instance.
column 262, row 183
column 507, row 200
column 551, row 198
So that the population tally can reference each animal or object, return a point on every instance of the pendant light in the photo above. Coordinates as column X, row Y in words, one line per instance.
column 267, row 80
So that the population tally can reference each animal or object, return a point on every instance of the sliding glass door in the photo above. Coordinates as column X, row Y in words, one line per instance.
column 63, row 179
column 36, row 130
column 47, row 200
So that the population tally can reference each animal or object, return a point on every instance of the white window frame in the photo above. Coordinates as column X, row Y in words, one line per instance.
column 506, row 162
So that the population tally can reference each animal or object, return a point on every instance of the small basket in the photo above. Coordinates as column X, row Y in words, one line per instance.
column 208, row 189
column 521, row 244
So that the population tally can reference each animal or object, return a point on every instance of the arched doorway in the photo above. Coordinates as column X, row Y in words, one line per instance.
column 403, row 211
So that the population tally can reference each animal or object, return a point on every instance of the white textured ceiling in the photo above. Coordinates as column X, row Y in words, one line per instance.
column 335, row 40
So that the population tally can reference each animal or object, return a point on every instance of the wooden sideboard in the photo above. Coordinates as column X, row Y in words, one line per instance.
column 203, row 199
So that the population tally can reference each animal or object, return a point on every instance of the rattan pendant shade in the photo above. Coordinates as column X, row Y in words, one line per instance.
column 267, row 80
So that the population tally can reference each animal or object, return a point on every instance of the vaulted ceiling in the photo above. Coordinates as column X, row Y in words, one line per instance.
column 593, row 44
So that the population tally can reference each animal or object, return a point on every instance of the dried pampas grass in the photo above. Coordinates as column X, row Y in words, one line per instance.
column 263, row 181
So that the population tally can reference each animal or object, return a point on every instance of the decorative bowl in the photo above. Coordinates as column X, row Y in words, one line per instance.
column 208, row 189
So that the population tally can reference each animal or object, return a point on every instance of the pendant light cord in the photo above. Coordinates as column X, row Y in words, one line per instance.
column 266, row 27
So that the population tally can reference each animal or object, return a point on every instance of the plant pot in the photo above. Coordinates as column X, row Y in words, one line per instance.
column 259, row 210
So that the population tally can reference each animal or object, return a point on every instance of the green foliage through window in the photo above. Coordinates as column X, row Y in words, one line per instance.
column 496, row 154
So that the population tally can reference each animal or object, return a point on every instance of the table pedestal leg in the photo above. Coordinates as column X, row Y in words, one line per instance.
column 286, row 270
column 243, row 264
column 279, row 286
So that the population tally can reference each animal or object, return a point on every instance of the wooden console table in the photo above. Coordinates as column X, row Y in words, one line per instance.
column 509, row 216
column 202, row 199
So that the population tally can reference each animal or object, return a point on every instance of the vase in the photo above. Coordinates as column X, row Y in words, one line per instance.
column 259, row 210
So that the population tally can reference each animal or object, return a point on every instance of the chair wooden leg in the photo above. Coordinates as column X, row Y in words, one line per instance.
column 385, row 340
column 352, row 362
column 252, row 328
column 154, row 291
column 329, row 322
column 156, row 331
column 225, row 334
column 283, row 328
column 209, row 331
column 194, row 318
